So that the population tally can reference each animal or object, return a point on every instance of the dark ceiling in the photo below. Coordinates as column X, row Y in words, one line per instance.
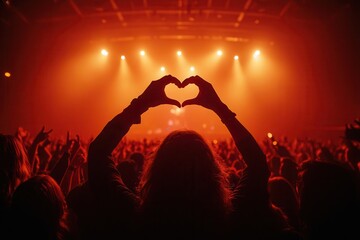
column 239, row 18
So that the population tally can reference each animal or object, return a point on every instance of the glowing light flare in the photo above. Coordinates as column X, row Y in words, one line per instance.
column 162, row 69
column 219, row 52
column 269, row 135
column 256, row 54
column 176, row 111
column 104, row 52
column 275, row 143
column 142, row 53
column 192, row 69
column 7, row 74
column 123, row 57
column 179, row 53
column 236, row 57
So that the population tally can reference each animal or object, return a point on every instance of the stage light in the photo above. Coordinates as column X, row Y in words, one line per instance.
column 269, row 135
column 104, row 52
column 256, row 54
column 179, row 53
column 162, row 69
column 122, row 57
column 219, row 52
column 7, row 74
column 236, row 57
column 192, row 68
column 142, row 53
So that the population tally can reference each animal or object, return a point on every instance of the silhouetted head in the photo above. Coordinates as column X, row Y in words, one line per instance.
column 139, row 160
column 288, row 170
column 324, row 154
column 283, row 195
column 184, row 179
column 329, row 202
column 274, row 165
column 39, row 207
column 14, row 167
column 127, row 170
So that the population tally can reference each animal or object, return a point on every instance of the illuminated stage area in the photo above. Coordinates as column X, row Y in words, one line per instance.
column 72, row 65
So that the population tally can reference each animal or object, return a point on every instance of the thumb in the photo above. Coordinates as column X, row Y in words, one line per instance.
column 189, row 102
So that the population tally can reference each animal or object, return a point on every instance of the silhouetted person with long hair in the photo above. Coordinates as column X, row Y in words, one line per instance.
column 184, row 193
column 39, row 210
column 14, row 169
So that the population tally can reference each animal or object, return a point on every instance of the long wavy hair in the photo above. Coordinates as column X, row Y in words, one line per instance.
column 39, row 206
column 184, row 180
column 14, row 167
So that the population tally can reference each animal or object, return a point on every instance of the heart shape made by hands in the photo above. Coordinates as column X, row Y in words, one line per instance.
column 181, row 94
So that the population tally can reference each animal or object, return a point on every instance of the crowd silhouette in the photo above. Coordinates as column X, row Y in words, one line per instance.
column 183, row 187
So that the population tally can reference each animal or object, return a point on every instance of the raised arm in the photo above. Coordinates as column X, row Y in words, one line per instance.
column 247, row 145
column 102, row 170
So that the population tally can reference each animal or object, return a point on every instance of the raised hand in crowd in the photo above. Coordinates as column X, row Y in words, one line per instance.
column 32, row 151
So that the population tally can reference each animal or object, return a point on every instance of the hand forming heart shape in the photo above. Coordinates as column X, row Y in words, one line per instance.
column 181, row 94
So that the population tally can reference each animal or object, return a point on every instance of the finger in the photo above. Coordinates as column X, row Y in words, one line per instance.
column 42, row 129
column 67, row 136
column 173, row 102
column 190, row 102
column 198, row 81
column 188, row 81
column 170, row 79
column 78, row 138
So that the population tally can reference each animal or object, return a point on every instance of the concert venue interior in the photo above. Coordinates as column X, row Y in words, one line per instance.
column 179, row 119
column 289, row 67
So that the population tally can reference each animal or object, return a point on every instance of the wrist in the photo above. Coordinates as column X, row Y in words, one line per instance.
column 139, row 105
column 224, row 113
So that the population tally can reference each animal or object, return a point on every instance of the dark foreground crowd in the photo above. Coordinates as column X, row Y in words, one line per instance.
column 183, row 187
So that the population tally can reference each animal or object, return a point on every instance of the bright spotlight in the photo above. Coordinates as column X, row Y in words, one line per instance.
column 142, row 53
column 7, row 74
column 256, row 54
column 162, row 69
column 104, row 52
column 192, row 68
column 219, row 52
column 236, row 57
column 122, row 57
column 179, row 53
column 269, row 135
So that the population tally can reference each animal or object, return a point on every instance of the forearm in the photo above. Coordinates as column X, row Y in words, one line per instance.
column 116, row 129
column 66, row 182
column 244, row 141
column 32, row 151
column 100, row 165
column 60, row 168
